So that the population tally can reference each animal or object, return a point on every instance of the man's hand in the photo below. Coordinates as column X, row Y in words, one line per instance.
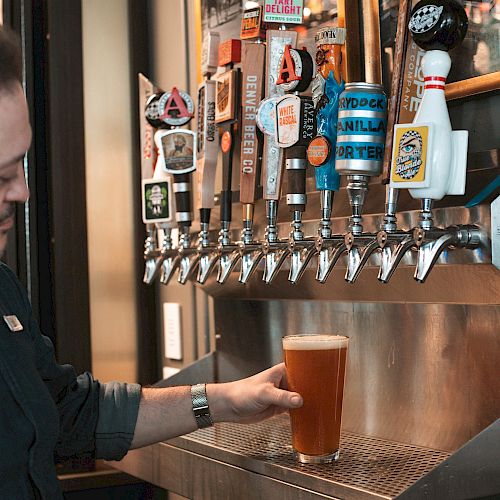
column 252, row 399
column 167, row 412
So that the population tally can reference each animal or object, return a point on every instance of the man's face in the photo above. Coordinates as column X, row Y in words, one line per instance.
column 15, row 139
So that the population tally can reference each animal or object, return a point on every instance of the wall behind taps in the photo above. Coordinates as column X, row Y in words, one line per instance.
column 109, row 189
column 175, row 62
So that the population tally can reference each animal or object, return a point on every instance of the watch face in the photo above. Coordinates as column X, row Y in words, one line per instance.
column 175, row 107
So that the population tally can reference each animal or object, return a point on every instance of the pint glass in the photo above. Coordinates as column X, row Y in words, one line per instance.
column 315, row 366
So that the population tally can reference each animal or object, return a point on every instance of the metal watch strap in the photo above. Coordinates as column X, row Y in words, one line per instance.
column 200, row 406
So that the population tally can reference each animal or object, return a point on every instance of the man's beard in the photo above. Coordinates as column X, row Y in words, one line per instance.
column 7, row 213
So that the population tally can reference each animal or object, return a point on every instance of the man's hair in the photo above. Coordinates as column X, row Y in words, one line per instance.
column 11, row 70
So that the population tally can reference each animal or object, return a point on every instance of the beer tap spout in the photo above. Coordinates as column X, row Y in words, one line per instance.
column 207, row 254
column 274, row 257
column 393, row 248
column 228, row 254
column 170, row 258
column 152, row 258
column 431, row 244
column 207, row 263
column 189, row 258
column 358, row 255
column 250, row 250
column 329, row 252
column 274, row 251
column 300, row 249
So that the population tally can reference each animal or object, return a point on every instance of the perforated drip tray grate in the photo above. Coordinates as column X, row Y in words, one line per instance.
column 368, row 467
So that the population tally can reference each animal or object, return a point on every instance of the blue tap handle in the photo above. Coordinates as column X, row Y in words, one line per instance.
column 326, row 120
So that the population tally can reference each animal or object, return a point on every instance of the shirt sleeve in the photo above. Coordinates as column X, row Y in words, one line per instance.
column 93, row 417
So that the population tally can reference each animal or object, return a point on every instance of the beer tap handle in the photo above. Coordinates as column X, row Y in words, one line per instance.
column 227, row 146
column 327, row 86
column 296, row 165
column 148, row 158
column 394, row 103
column 272, row 160
column 251, row 138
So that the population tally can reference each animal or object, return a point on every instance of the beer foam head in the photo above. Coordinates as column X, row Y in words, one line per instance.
column 314, row 342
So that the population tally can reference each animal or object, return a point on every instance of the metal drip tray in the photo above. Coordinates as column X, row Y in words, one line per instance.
column 368, row 467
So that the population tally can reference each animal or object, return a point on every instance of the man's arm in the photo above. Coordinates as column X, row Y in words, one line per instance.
column 165, row 413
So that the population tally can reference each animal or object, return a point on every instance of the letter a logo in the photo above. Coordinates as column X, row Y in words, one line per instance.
column 175, row 106
column 286, row 73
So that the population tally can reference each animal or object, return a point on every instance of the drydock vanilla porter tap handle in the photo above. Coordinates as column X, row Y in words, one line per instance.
column 429, row 159
column 326, row 89
column 226, row 115
column 295, row 128
column 177, row 155
column 360, row 246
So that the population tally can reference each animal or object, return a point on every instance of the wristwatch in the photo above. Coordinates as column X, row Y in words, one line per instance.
column 200, row 406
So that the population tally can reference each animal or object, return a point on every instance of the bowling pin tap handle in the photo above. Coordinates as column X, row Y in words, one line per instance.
column 438, row 25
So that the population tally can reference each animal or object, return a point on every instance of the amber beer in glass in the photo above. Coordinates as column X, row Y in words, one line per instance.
column 315, row 366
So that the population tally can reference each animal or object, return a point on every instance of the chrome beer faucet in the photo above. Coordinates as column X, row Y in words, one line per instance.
column 177, row 154
column 207, row 152
column 295, row 128
column 152, row 204
column 169, row 258
column 152, row 256
column 326, row 89
column 274, row 251
column 227, row 111
column 359, row 154
column 393, row 243
column 430, row 159
column 253, row 73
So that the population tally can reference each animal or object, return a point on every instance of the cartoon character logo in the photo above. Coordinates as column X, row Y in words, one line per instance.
column 409, row 158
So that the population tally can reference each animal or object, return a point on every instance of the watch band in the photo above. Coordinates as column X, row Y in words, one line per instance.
column 200, row 406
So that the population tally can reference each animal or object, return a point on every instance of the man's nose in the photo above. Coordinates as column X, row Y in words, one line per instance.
column 18, row 190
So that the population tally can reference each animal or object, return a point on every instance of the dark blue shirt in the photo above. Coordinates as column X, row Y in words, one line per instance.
column 47, row 410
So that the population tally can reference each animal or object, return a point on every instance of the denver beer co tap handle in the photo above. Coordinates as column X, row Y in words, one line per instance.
column 253, row 60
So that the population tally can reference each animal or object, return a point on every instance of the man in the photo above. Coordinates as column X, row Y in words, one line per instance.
column 45, row 408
